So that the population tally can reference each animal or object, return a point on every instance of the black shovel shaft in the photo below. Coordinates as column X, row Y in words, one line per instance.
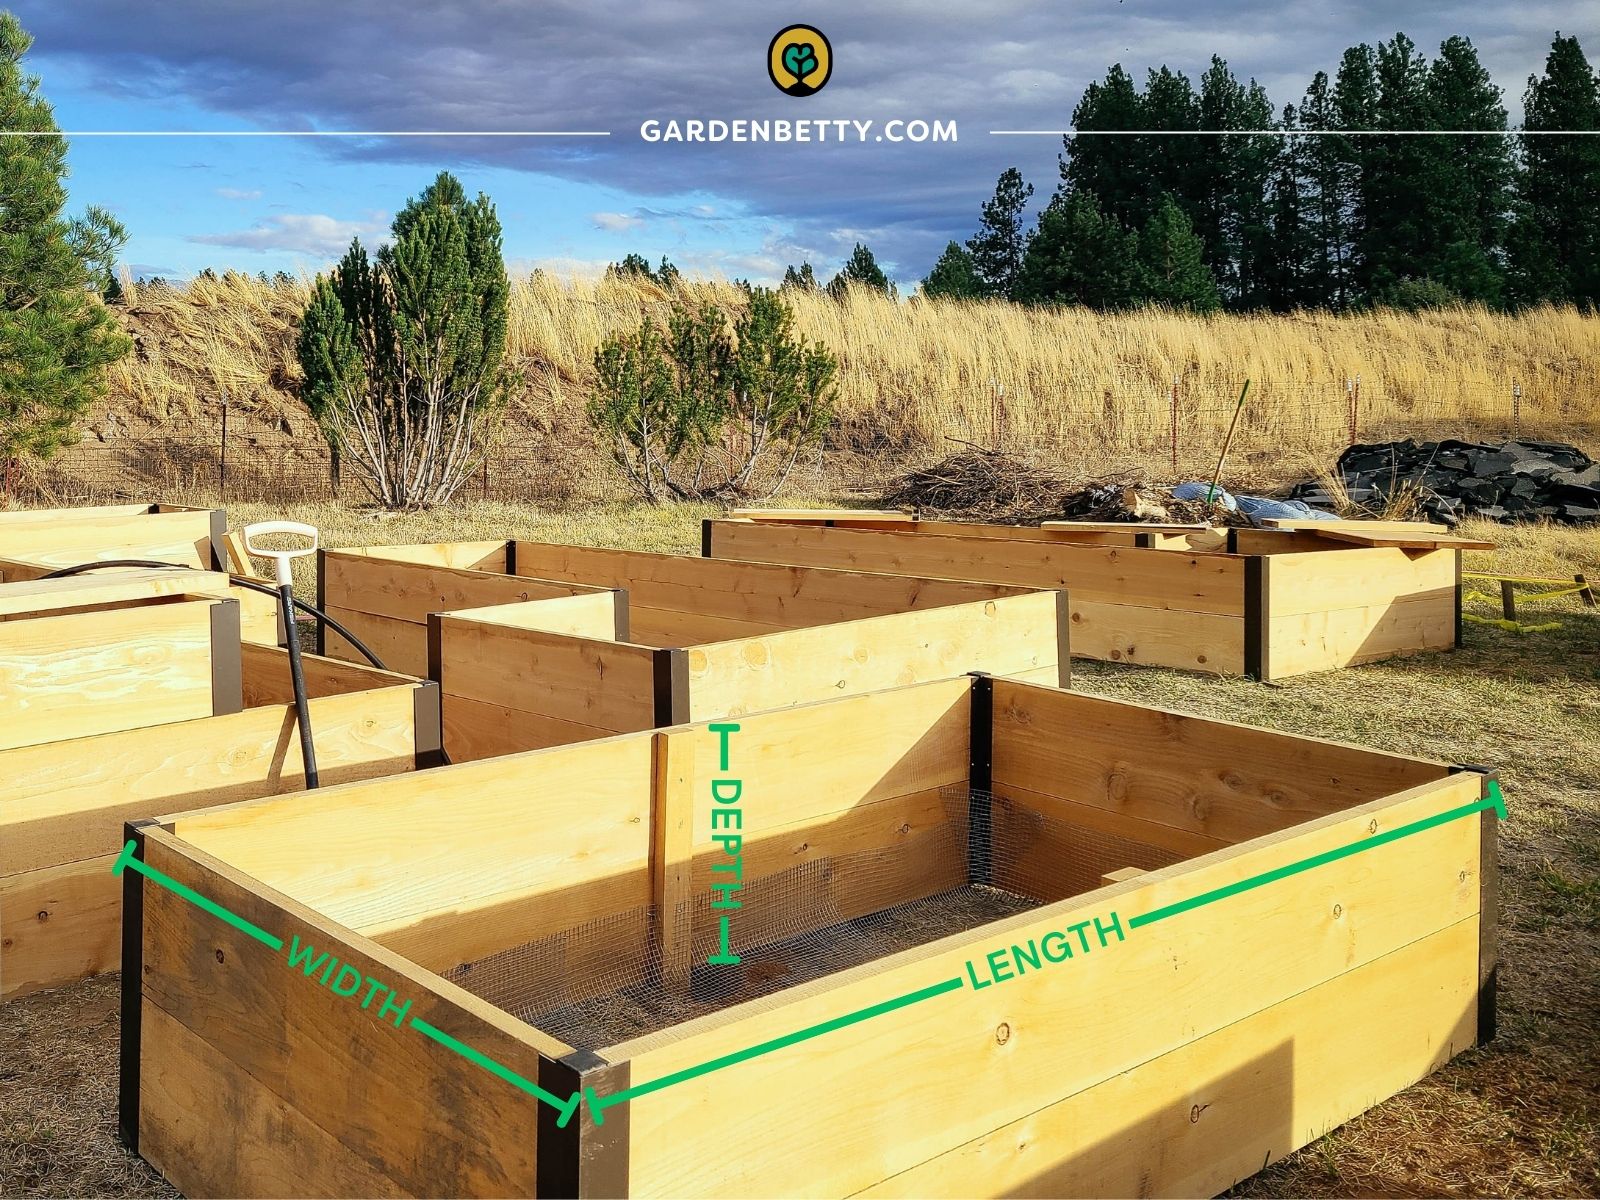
column 302, row 707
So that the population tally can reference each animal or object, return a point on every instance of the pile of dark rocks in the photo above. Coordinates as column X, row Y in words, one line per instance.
column 1511, row 482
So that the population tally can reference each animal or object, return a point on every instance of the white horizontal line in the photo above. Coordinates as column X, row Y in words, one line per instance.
column 1294, row 132
column 307, row 133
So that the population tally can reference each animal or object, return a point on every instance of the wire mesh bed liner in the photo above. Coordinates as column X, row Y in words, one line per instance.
column 820, row 917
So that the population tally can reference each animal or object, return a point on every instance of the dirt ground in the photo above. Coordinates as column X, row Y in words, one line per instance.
column 1518, row 1117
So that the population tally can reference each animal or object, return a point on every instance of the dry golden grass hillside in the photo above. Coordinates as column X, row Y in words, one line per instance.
column 913, row 373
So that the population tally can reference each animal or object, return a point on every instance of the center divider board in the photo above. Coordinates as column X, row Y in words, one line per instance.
column 384, row 595
column 850, row 814
column 1067, row 1028
column 777, row 595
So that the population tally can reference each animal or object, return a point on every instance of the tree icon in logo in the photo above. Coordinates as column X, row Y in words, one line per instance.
column 799, row 60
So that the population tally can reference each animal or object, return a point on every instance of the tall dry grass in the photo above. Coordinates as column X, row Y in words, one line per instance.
column 913, row 372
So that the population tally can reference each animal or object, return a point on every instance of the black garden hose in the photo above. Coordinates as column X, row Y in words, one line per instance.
column 244, row 581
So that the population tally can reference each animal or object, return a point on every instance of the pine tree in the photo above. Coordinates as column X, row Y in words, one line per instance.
column 860, row 270
column 1557, row 236
column 1174, row 271
column 1321, row 164
column 1079, row 255
column 1400, row 174
column 404, row 357
column 954, row 276
column 1111, row 169
column 1473, row 193
column 1171, row 165
column 997, row 248
column 1231, row 215
column 56, row 338
column 1292, row 262
column 805, row 279
column 1355, row 107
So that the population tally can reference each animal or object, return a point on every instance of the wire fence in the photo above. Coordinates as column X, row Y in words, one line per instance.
column 1286, row 432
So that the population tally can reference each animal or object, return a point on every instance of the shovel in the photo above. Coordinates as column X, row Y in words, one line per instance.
column 281, row 560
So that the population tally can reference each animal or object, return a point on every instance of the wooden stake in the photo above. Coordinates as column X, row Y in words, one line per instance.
column 1227, row 442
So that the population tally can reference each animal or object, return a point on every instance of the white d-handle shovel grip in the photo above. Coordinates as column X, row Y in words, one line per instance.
column 280, row 558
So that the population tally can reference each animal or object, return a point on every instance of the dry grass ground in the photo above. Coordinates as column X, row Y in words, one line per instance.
column 1519, row 1117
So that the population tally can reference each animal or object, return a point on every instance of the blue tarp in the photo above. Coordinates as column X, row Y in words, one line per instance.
column 1254, row 506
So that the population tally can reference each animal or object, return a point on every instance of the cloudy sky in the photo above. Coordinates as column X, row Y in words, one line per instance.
column 219, row 67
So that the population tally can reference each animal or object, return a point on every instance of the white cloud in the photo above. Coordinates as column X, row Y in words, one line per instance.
column 302, row 233
column 613, row 222
column 228, row 193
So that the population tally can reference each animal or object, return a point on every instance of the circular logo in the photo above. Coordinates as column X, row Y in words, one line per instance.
column 799, row 60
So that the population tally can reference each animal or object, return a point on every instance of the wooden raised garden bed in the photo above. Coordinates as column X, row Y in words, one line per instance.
column 507, row 977
column 34, row 542
column 658, row 639
column 125, row 695
column 1268, row 603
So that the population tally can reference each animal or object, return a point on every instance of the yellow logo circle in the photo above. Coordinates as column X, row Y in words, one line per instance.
column 799, row 60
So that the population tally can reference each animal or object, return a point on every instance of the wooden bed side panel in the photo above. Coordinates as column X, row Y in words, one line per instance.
column 1212, row 583
column 1023, row 1045
column 63, row 801
column 29, row 595
column 63, row 806
column 58, row 924
column 409, row 591
column 266, row 680
column 92, row 672
column 589, row 681
column 377, row 856
column 1360, row 577
column 1157, row 637
column 1343, row 637
column 182, row 538
column 410, row 1111
column 1200, row 1117
column 1222, row 780
column 789, row 596
column 467, row 556
column 475, row 730
column 1009, row 635
column 89, row 512
column 592, row 613
column 401, row 645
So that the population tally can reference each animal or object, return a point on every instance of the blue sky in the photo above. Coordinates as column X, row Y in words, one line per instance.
column 573, row 205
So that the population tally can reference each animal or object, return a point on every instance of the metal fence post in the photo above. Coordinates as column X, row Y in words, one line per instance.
column 1172, row 426
column 222, row 456
column 1516, row 410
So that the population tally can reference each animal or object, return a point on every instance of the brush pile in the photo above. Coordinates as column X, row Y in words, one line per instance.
column 991, row 486
column 981, row 485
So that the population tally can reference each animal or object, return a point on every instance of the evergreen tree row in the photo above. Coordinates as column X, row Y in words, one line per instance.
column 1337, row 209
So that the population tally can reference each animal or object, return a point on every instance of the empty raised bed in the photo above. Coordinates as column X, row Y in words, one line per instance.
column 35, row 542
column 1266, row 603
column 126, row 695
column 508, row 977
column 659, row 639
